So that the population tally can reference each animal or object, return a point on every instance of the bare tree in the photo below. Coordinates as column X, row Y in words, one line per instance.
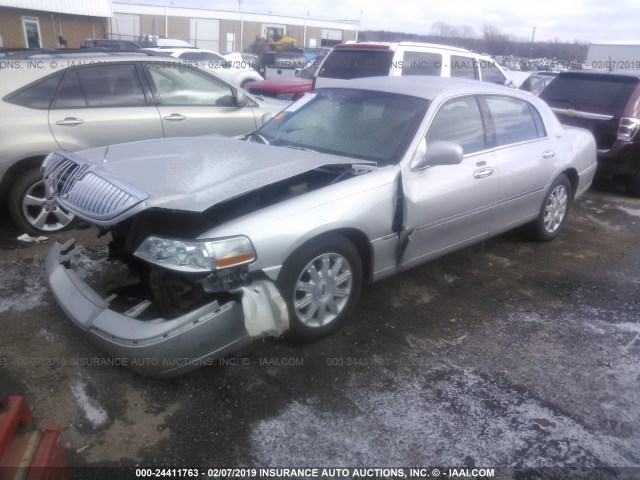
column 466, row 31
column 443, row 29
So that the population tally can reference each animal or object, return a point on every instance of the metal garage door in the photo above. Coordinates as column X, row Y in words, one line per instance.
column 205, row 33
column 125, row 26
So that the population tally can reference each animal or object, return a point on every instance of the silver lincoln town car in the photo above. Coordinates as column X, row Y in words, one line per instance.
column 275, row 232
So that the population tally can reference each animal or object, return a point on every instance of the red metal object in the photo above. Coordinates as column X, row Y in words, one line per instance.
column 28, row 453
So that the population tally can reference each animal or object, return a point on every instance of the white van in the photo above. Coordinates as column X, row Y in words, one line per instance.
column 376, row 59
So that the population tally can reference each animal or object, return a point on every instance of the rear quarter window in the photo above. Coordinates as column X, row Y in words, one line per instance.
column 348, row 64
column 38, row 95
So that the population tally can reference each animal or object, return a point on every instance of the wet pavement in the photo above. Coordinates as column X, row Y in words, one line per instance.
column 508, row 353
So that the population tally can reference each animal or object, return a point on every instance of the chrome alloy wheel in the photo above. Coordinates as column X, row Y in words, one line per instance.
column 555, row 209
column 41, row 210
column 323, row 289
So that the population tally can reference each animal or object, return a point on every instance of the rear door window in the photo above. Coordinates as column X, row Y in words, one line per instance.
column 111, row 85
column 70, row 94
column 347, row 64
column 514, row 120
column 422, row 63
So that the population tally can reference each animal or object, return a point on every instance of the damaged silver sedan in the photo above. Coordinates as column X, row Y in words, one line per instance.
column 227, row 240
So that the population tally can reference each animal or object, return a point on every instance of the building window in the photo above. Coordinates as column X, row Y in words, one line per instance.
column 32, row 32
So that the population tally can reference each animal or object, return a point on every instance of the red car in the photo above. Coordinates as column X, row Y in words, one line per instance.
column 291, row 88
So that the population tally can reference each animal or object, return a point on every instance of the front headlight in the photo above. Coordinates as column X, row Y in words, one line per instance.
column 196, row 255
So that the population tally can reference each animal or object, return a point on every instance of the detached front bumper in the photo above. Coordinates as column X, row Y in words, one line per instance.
column 165, row 348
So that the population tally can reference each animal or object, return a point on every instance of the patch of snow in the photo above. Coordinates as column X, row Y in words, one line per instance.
column 596, row 329
column 47, row 335
column 635, row 212
column 95, row 414
column 24, row 286
column 628, row 326
column 84, row 264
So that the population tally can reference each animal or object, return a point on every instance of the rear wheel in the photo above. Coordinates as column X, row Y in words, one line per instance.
column 320, row 283
column 33, row 208
column 554, row 210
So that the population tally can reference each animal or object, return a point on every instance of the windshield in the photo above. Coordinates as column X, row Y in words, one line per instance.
column 361, row 124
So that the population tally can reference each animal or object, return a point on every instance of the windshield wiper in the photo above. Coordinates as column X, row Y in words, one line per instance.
column 260, row 137
column 295, row 147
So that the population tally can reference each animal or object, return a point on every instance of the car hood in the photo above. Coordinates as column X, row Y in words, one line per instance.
column 108, row 184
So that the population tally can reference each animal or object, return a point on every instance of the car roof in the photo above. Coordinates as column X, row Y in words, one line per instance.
column 393, row 45
column 427, row 87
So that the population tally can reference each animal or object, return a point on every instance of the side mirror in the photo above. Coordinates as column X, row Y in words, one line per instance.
column 266, row 117
column 437, row 153
column 241, row 99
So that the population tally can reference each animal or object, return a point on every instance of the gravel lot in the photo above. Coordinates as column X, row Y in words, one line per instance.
column 510, row 353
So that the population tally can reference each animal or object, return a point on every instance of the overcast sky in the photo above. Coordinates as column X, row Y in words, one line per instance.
column 586, row 20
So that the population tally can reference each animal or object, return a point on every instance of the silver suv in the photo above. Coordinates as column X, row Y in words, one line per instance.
column 74, row 101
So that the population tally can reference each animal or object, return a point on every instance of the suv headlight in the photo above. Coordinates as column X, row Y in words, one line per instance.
column 196, row 255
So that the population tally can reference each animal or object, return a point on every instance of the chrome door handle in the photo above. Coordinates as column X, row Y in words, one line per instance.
column 175, row 117
column 548, row 154
column 483, row 172
column 70, row 122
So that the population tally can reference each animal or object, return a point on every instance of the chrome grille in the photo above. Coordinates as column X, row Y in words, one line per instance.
column 82, row 187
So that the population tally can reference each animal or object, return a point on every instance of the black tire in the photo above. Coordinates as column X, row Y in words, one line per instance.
column 244, row 84
column 38, row 218
column 554, row 210
column 322, row 309
column 633, row 185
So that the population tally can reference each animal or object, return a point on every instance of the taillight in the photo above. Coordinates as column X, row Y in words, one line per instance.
column 313, row 83
column 628, row 128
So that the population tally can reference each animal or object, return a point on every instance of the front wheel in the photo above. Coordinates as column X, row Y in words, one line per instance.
column 33, row 207
column 554, row 210
column 320, row 283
